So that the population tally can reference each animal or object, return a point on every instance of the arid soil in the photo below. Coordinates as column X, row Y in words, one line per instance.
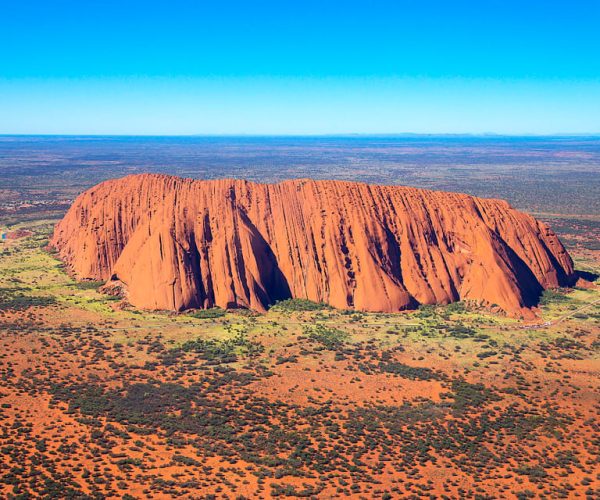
column 100, row 400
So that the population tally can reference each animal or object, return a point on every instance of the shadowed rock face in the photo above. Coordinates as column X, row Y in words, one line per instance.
column 180, row 243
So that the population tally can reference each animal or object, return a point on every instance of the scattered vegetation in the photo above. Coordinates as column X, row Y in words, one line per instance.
column 212, row 313
column 299, row 305
column 324, row 403
column 330, row 338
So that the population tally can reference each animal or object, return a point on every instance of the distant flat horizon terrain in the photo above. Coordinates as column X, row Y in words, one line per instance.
column 556, row 178
column 526, row 171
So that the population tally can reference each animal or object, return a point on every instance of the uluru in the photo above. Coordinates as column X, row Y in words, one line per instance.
column 176, row 244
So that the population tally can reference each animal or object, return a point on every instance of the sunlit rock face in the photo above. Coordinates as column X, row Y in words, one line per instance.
column 180, row 243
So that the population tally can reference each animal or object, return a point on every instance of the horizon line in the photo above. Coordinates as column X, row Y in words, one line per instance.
column 317, row 135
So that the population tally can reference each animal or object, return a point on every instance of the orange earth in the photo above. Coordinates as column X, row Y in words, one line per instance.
column 109, row 406
column 100, row 399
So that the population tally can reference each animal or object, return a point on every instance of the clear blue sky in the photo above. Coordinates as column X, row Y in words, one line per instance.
column 299, row 67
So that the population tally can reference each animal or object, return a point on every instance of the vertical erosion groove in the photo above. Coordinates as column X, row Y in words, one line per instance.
column 239, row 244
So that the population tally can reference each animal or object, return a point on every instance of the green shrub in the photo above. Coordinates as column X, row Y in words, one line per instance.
column 214, row 312
column 299, row 305
column 331, row 338
column 88, row 285
column 553, row 297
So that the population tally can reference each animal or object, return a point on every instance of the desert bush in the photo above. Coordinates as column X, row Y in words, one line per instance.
column 299, row 305
column 212, row 313
column 553, row 297
column 330, row 338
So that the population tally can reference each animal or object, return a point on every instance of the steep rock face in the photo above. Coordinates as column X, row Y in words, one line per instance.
column 181, row 243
